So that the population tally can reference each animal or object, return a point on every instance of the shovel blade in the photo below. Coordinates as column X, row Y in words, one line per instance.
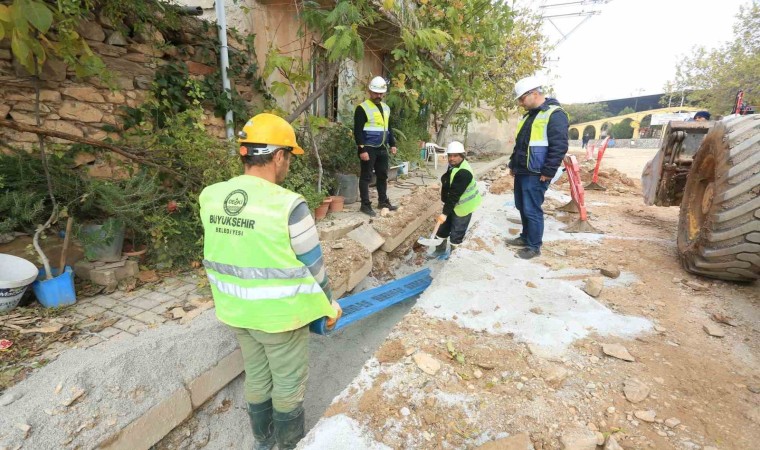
column 430, row 242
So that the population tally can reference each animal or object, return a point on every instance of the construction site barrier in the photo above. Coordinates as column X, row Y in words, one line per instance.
column 594, row 185
column 577, row 193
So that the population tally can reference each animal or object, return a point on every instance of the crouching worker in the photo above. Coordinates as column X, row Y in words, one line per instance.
column 460, row 197
column 264, row 263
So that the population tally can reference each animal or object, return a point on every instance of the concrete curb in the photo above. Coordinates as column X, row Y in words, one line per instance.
column 391, row 242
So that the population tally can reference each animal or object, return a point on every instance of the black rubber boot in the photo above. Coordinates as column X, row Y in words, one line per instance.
column 289, row 428
column 262, row 425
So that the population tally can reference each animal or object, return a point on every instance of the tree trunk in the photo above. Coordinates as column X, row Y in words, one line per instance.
column 318, row 91
column 446, row 119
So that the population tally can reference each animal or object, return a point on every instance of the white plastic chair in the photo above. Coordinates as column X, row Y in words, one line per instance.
column 431, row 151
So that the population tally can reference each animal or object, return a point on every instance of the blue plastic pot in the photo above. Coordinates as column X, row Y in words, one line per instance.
column 57, row 291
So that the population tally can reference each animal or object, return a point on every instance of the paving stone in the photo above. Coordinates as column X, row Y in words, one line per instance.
column 149, row 317
column 185, row 288
column 144, row 303
column 160, row 296
column 109, row 332
column 168, row 285
column 90, row 310
column 89, row 342
column 117, row 295
column 105, row 302
column 121, row 336
column 162, row 308
column 130, row 326
column 127, row 310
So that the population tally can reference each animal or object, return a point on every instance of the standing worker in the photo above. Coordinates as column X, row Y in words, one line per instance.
column 540, row 146
column 264, row 263
column 460, row 197
column 373, row 136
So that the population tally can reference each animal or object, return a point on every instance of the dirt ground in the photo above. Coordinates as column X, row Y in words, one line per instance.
column 699, row 391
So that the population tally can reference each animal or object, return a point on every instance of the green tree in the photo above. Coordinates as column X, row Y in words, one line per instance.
column 459, row 54
column 716, row 75
column 586, row 112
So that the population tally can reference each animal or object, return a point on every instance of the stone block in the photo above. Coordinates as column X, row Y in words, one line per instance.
column 91, row 31
column 337, row 229
column 114, row 97
column 81, row 112
column 152, row 426
column 146, row 49
column 136, row 57
column 20, row 117
column 196, row 68
column 116, row 39
column 84, row 93
column 4, row 109
column 391, row 242
column 107, row 50
column 149, row 318
column 213, row 380
column 64, row 127
column 368, row 237
column 130, row 269
column 359, row 273
column 103, row 277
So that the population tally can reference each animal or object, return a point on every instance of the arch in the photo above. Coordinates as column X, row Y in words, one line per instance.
column 590, row 130
column 574, row 135
column 623, row 129
column 605, row 129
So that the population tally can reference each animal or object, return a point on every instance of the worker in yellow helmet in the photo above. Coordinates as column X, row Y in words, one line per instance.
column 264, row 263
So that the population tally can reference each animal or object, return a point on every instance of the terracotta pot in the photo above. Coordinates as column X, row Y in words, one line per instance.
column 321, row 211
column 336, row 205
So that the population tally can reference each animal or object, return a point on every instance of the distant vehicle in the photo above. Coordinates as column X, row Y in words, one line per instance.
column 712, row 170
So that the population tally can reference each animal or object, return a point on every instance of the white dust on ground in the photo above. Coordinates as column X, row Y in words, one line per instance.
column 487, row 291
column 340, row 431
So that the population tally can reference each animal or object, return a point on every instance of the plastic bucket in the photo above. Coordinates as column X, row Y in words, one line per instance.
column 16, row 274
column 57, row 291
column 102, row 249
column 348, row 188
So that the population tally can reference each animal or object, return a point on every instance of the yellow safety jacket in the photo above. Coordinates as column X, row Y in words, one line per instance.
column 256, row 280
column 376, row 127
column 539, row 139
column 470, row 199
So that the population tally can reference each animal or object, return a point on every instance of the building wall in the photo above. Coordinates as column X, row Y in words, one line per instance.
column 489, row 136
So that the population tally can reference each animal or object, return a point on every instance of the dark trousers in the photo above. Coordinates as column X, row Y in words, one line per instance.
column 378, row 161
column 529, row 196
column 454, row 228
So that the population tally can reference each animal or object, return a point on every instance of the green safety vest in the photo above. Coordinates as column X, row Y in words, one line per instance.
column 538, row 146
column 376, row 126
column 256, row 280
column 470, row 199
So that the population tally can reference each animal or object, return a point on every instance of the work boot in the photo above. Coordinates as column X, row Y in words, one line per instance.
column 367, row 209
column 516, row 242
column 289, row 427
column 262, row 425
column 528, row 253
column 440, row 249
column 387, row 204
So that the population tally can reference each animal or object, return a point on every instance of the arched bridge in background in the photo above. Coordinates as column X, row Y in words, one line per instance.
column 595, row 127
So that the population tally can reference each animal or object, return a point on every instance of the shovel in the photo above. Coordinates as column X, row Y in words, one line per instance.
column 432, row 241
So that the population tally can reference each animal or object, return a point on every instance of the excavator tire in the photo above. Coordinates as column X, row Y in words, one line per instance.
column 719, row 222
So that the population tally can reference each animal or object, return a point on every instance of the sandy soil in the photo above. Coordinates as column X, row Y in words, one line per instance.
column 702, row 391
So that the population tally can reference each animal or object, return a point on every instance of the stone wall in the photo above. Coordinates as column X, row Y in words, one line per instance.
column 86, row 108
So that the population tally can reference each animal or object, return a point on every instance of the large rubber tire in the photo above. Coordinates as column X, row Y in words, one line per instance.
column 719, row 222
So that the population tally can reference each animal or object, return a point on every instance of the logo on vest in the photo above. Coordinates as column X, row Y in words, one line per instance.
column 235, row 202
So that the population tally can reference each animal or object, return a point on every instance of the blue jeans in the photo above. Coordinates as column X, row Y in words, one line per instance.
column 529, row 196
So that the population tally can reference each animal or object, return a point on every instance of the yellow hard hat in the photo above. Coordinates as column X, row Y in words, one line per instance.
column 265, row 133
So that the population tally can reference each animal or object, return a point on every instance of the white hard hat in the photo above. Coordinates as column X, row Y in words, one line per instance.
column 378, row 85
column 526, row 84
column 455, row 147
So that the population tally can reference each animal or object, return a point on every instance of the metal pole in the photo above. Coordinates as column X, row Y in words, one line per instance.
column 224, row 61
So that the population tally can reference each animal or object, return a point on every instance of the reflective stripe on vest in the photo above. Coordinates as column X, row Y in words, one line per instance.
column 539, row 138
column 256, row 279
column 263, row 293
column 470, row 199
column 376, row 127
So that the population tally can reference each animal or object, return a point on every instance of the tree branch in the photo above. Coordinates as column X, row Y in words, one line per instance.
column 73, row 138
column 318, row 91
column 447, row 118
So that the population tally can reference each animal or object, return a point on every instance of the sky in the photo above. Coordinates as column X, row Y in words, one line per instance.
column 632, row 47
